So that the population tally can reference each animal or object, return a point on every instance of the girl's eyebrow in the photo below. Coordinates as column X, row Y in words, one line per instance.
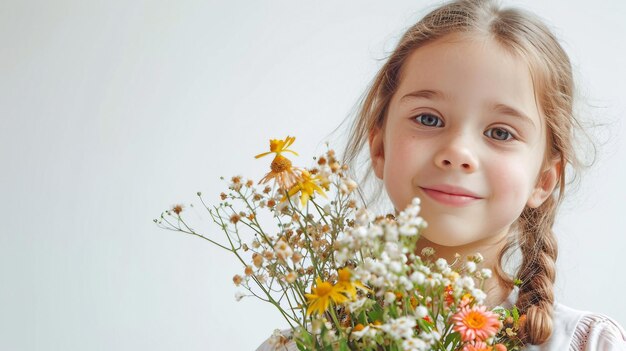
column 497, row 107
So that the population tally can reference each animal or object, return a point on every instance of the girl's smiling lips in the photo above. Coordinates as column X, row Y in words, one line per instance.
column 451, row 195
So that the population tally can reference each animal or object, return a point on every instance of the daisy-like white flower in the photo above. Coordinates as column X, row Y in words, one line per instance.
column 321, row 295
column 476, row 323
column 360, row 331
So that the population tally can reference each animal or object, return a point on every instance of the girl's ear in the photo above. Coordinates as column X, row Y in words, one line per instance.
column 377, row 151
column 545, row 185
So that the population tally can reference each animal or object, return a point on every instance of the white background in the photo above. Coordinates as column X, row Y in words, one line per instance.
column 112, row 111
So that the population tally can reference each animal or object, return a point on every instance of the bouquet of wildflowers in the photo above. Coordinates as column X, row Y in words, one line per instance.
column 342, row 277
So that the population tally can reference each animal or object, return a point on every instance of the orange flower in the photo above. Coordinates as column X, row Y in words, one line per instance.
column 283, row 173
column 281, row 169
column 476, row 323
column 477, row 346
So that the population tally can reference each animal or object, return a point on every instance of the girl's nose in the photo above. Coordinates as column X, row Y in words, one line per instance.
column 456, row 155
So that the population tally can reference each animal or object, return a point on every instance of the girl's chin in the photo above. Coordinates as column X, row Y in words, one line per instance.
column 447, row 241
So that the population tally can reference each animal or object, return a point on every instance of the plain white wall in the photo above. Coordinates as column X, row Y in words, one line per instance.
column 112, row 111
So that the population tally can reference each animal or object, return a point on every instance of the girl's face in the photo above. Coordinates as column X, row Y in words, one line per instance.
column 464, row 133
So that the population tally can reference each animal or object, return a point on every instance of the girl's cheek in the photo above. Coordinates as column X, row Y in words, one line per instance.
column 510, row 180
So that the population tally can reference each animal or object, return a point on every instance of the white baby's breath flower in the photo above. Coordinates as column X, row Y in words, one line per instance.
column 408, row 230
column 390, row 297
column 465, row 283
column 471, row 266
column 283, row 250
column 378, row 281
column 393, row 250
column 291, row 277
column 479, row 295
column 417, row 277
column 421, row 312
column 360, row 233
column 395, row 266
column 362, row 275
column 350, row 185
column 342, row 256
column 431, row 282
column 363, row 217
column 375, row 232
column 447, row 271
column 441, row 264
column 414, row 344
column 391, row 233
column 405, row 282
column 239, row 295
column 375, row 267
column 431, row 337
column 356, row 305
column 416, row 201
column 384, row 257
column 401, row 328
column 326, row 209
column 485, row 273
column 428, row 251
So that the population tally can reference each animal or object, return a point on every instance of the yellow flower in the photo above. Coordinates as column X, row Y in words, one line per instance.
column 307, row 185
column 321, row 295
column 345, row 285
column 277, row 146
column 281, row 169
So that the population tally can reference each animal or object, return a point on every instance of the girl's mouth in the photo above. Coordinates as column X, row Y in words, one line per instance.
column 449, row 199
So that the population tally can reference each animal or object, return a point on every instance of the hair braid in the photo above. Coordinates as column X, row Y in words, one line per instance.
column 538, row 271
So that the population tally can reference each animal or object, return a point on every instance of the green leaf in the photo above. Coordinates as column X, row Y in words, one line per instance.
column 343, row 346
column 515, row 313
column 362, row 318
column 452, row 338
column 376, row 314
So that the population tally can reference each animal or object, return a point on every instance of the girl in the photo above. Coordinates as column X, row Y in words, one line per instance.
column 472, row 113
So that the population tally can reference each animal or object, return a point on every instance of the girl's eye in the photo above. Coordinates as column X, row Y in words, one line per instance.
column 429, row 120
column 499, row 134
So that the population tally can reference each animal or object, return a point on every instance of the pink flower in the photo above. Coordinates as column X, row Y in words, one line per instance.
column 476, row 323
column 477, row 346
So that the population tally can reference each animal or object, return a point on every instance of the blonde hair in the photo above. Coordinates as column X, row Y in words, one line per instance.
column 526, row 36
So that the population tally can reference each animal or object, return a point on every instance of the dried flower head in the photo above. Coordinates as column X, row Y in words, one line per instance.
column 177, row 209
